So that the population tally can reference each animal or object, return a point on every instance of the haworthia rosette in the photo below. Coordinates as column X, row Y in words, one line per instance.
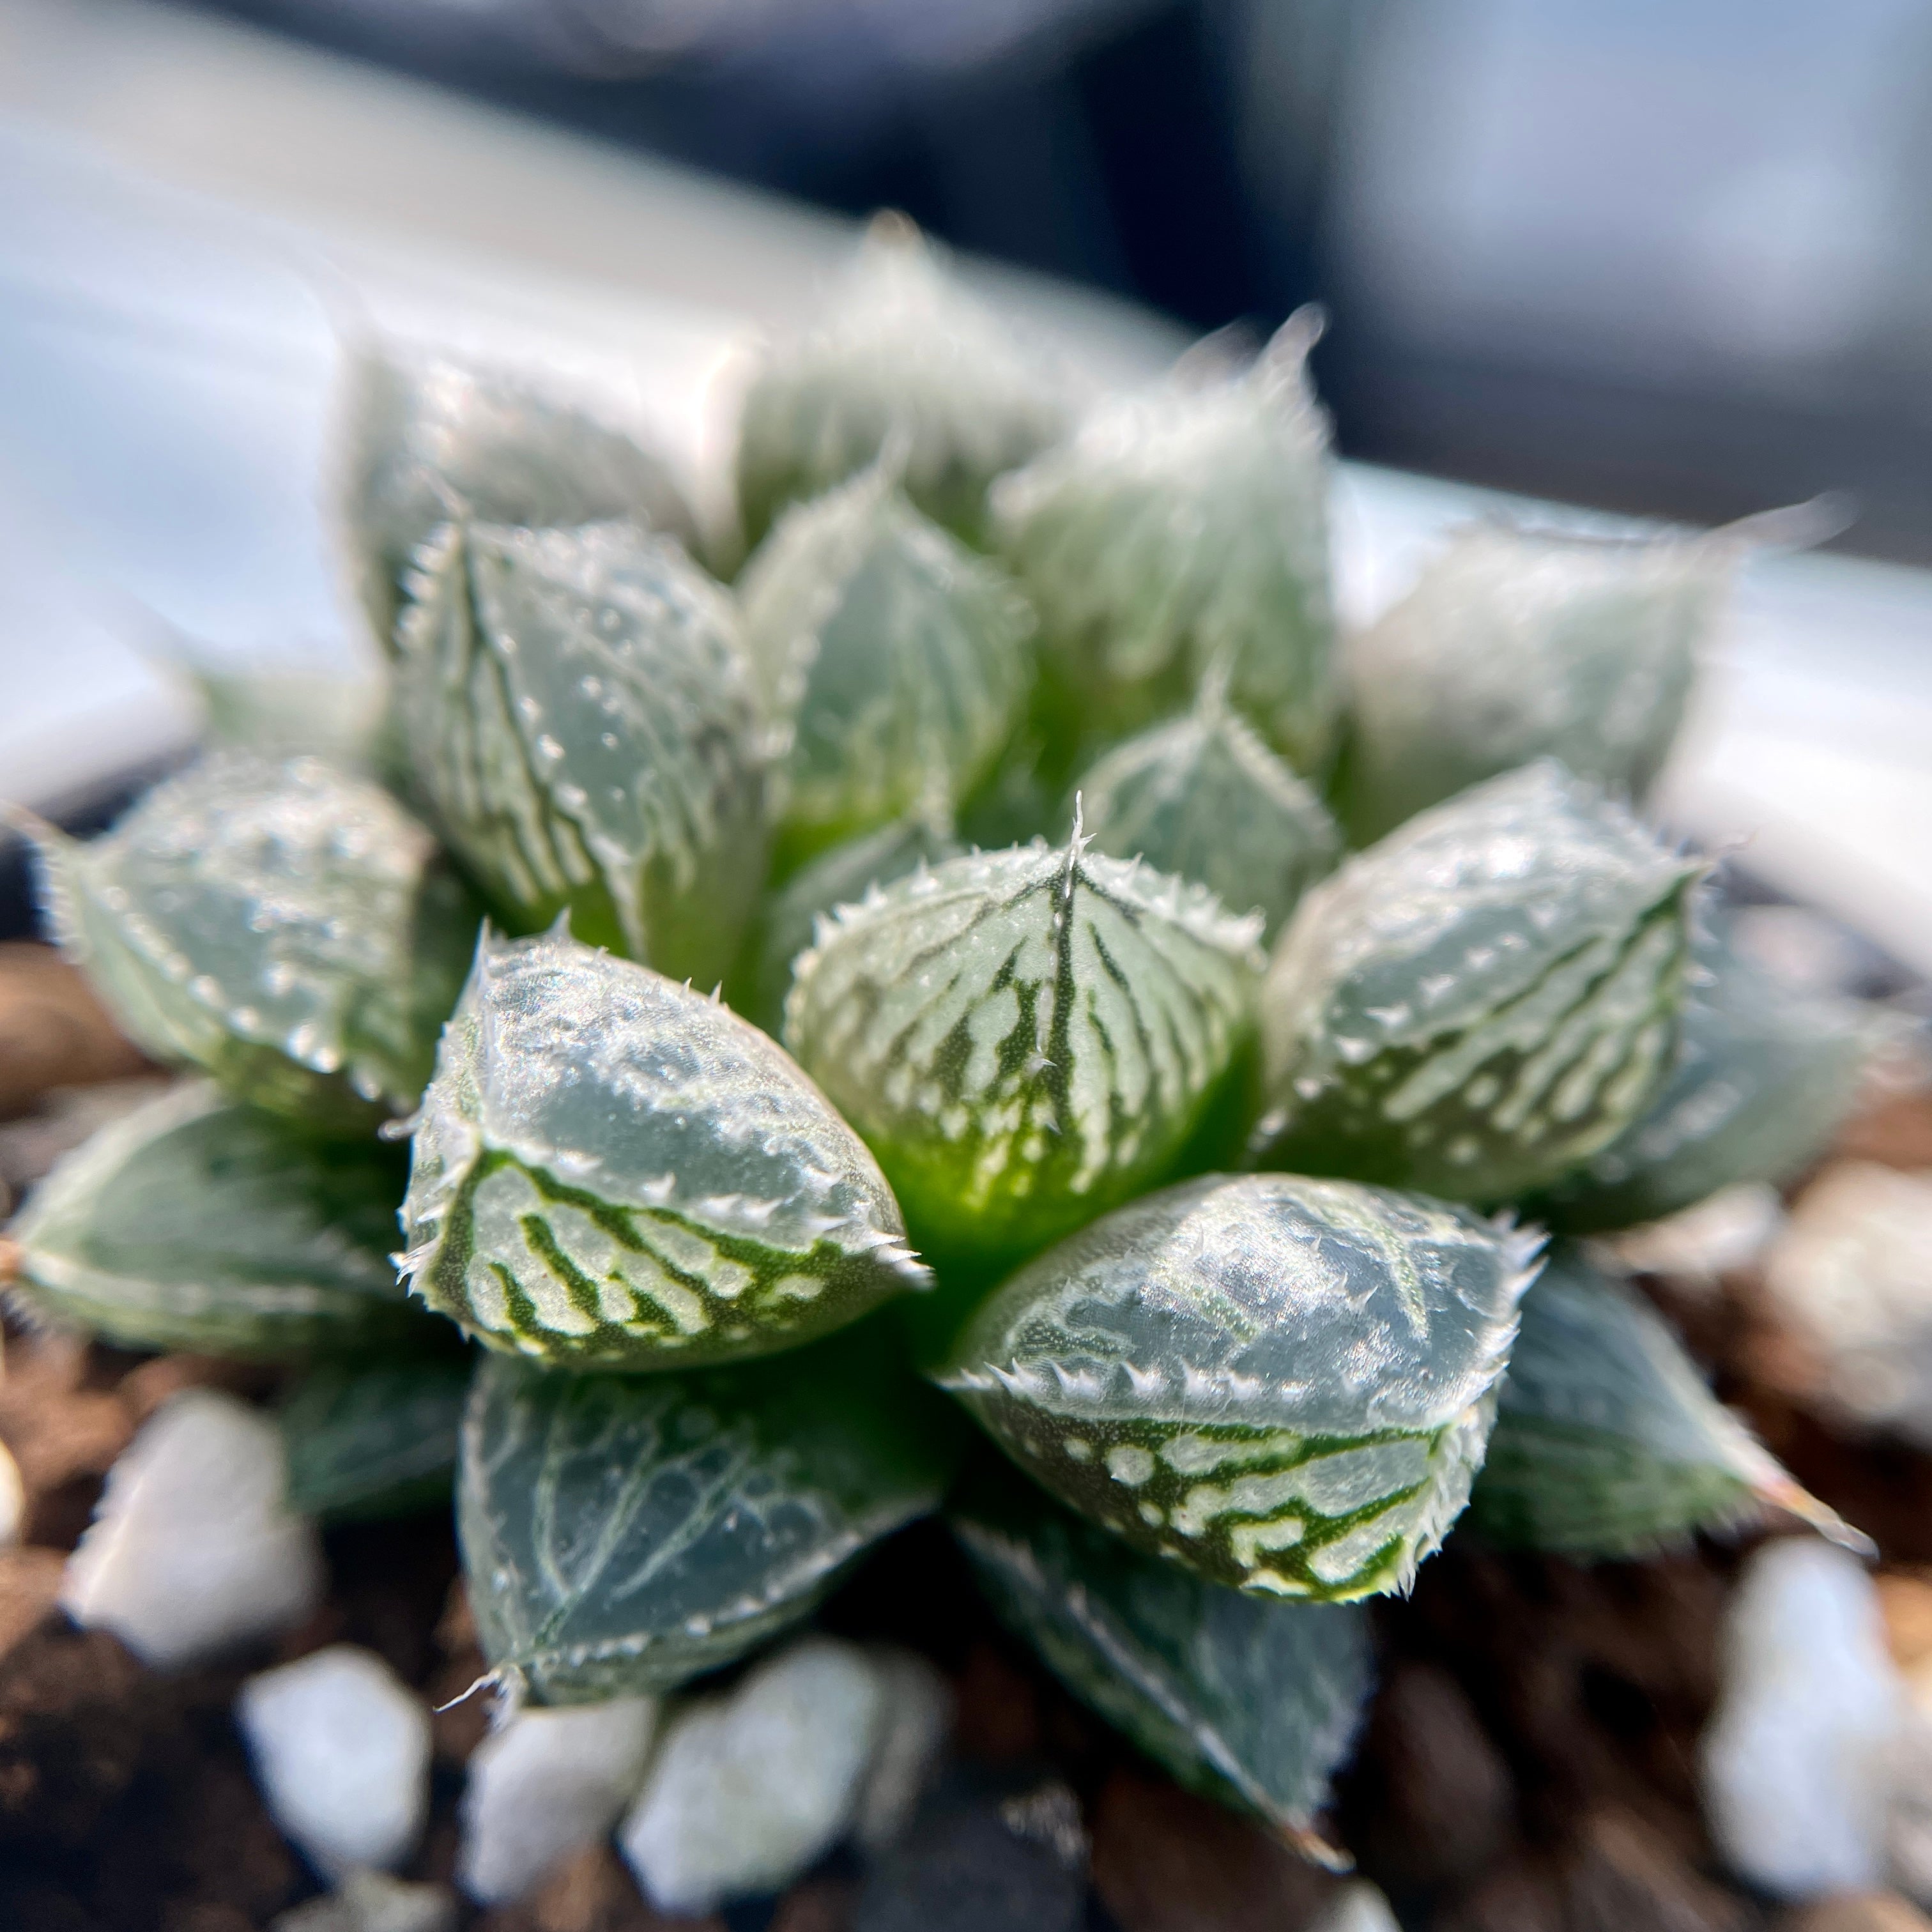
column 843, row 876
column 1249, row 1700
column 1482, row 1001
column 1285, row 1384
column 1763, row 1078
column 1180, row 530
column 1520, row 644
column 418, row 439
column 1025, row 1038
column 612, row 1171
column 903, row 354
column 1202, row 797
column 580, row 716
column 625, row 1533
column 194, row 1222
column 893, row 661
column 368, row 1439
column 1607, row 1442
column 291, row 929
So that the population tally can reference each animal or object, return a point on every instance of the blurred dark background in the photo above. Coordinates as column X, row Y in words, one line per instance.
column 1672, row 255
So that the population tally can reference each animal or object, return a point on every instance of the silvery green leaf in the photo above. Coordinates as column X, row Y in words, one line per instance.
column 1521, row 644
column 196, row 1223
column 291, row 929
column 279, row 711
column 1252, row 1701
column 1763, row 1077
column 374, row 1438
column 1285, row 1384
column 417, row 439
column 893, row 661
column 581, row 719
column 625, row 1533
column 1202, row 797
column 1025, row 1038
column 843, row 876
column 1607, row 1442
column 1178, row 531
column 612, row 1171
column 1482, row 1001
column 902, row 353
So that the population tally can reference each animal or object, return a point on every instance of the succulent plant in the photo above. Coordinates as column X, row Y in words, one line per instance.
column 1202, row 797
column 611, row 1169
column 903, row 354
column 579, row 716
column 892, row 661
column 1518, row 644
column 1481, row 1001
column 1225, row 1253
column 1763, row 1076
column 198, row 1222
column 1607, row 1442
column 1183, row 532
column 420, row 438
column 291, row 930
column 1024, row 1037
column 1285, row 1384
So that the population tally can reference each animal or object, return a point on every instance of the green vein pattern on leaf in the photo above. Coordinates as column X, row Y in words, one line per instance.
column 610, row 1170
column 579, row 714
column 289, row 929
column 627, row 1533
column 1024, row 1038
column 1285, row 1384
column 1253, row 1701
column 1479, row 1002
column 194, row 1222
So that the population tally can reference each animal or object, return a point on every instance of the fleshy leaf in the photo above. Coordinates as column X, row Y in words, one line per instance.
column 1607, row 1442
column 290, row 929
column 420, row 440
column 369, row 1439
column 612, row 1171
column 893, row 662
column 292, row 711
column 1180, row 530
column 1521, row 644
column 1763, row 1076
column 1285, row 1384
column 1025, row 1038
column 580, row 715
column 1203, row 798
column 1482, row 1001
column 843, row 876
column 1245, row 1700
column 193, row 1222
column 624, row 1533
column 903, row 354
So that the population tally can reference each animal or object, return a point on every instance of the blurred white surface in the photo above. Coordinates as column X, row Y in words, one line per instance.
column 190, row 210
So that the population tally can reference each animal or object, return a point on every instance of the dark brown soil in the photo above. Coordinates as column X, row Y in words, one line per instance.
column 1528, row 1765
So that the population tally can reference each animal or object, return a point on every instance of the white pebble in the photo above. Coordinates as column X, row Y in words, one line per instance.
column 369, row 1901
column 749, row 1789
column 341, row 1750
column 192, row 1547
column 918, row 1717
column 12, row 1499
column 1853, row 1271
column 1911, row 1835
column 1359, row 1907
column 1797, row 1758
column 545, row 1783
